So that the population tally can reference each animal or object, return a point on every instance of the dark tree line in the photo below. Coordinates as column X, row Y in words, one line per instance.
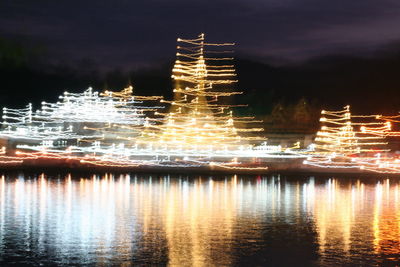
column 301, row 117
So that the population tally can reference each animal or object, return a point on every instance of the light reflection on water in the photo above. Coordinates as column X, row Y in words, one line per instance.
column 200, row 221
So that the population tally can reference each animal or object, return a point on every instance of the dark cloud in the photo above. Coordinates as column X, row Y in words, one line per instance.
column 130, row 33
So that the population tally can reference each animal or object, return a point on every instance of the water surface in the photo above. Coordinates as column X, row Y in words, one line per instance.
column 198, row 220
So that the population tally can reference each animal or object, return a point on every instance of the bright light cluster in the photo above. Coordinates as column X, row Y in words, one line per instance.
column 197, row 120
column 78, row 116
column 196, row 129
column 357, row 142
column 118, row 129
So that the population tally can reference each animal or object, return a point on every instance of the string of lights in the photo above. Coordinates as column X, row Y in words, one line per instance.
column 198, row 128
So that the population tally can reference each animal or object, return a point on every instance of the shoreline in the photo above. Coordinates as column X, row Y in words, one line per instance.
column 290, row 167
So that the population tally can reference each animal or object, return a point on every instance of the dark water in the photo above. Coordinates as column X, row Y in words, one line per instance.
column 198, row 221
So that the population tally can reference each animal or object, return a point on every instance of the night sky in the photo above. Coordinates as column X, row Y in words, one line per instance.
column 132, row 34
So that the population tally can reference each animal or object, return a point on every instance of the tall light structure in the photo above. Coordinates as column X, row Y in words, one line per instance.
column 198, row 120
